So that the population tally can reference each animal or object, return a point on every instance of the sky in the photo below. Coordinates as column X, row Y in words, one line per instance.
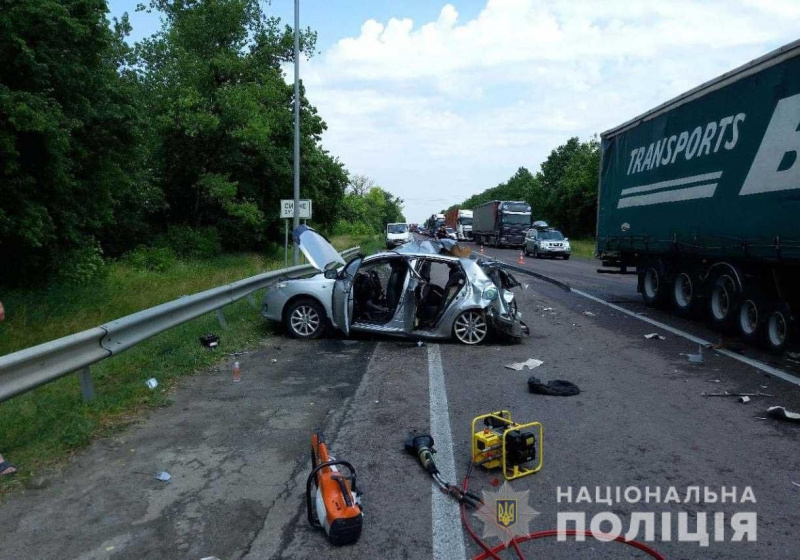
column 436, row 101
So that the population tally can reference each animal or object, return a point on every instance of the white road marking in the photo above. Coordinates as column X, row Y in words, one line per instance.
column 448, row 538
column 775, row 372
column 744, row 359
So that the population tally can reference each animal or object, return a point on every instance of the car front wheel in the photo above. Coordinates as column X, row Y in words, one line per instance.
column 471, row 327
column 305, row 318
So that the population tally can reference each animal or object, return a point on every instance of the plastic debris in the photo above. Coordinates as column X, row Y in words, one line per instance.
column 589, row 314
column 420, row 343
column 209, row 340
column 781, row 413
column 555, row 387
column 748, row 395
column 151, row 383
column 796, row 484
column 237, row 372
column 163, row 476
column 530, row 364
column 744, row 400
column 655, row 336
column 273, row 361
column 696, row 358
column 547, row 309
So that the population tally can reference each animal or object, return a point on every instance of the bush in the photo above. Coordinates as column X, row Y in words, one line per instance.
column 158, row 259
column 81, row 265
column 354, row 229
column 189, row 243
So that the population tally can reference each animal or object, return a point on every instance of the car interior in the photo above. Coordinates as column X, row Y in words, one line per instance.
column 441, row 283
column 377, row 288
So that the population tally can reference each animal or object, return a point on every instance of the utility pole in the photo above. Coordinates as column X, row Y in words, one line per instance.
column 296, row 221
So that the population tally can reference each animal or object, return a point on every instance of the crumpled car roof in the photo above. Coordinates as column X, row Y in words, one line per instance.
column 427, row 246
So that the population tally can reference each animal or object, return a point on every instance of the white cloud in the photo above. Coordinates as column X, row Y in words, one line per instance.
column 440, row 110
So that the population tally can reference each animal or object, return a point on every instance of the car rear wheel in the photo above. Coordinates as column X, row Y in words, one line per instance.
column 305, row 318
column 471, row 327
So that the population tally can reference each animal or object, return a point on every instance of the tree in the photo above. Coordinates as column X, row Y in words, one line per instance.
column 563, row 193
column 223, row 125
column 568, row 181
column 69, row 136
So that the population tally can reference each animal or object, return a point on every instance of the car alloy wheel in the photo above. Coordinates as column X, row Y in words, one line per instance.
column 305, row 320
column 470, row 327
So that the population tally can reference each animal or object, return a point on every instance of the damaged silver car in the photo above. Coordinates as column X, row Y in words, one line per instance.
column 424, row 289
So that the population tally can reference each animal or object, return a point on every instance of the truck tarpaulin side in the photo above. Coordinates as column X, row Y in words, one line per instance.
column 713, row 172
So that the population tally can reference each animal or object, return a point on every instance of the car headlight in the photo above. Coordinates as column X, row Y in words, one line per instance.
column 490, row 293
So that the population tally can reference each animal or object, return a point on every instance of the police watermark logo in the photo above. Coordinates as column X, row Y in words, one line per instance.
column 505, row 513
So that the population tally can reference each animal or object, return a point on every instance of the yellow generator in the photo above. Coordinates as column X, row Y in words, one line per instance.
column 502, row 443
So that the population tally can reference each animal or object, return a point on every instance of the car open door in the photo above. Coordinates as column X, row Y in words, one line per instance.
column 342, row 302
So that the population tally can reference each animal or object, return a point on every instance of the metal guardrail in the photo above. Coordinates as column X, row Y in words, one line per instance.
column 32, row 367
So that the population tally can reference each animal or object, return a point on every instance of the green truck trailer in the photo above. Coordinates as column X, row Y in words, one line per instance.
column 701, row 198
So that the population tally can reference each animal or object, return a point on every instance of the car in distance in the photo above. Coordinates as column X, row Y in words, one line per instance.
column 397, row 234
column 424, row 289
column 546, row 242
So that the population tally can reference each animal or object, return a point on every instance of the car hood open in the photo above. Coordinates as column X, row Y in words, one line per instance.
column 320, row 254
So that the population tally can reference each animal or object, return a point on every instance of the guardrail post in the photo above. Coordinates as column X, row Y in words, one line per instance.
column 251, row 299
column 221, row 318
column 87, row 385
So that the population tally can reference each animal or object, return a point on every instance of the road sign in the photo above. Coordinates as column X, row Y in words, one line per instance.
column 287, row 209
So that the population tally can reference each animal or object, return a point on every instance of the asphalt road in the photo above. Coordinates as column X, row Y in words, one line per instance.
column 238, row 453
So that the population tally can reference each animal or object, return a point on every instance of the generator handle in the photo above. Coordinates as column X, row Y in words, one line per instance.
column 313, row 476
column 502, row 415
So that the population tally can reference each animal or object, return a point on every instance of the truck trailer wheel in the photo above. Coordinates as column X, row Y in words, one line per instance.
column 776, row 329
column 654, row 285
column 684, row 293
column 750, row 318
column 724, row 300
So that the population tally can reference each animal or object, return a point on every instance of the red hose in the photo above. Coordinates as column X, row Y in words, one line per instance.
column 492, row 552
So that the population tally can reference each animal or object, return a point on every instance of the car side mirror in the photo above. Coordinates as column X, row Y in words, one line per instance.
column 566, row 239
column 331, row 274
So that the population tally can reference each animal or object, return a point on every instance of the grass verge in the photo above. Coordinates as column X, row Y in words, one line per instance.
column 44, row 427
column 583, row 247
